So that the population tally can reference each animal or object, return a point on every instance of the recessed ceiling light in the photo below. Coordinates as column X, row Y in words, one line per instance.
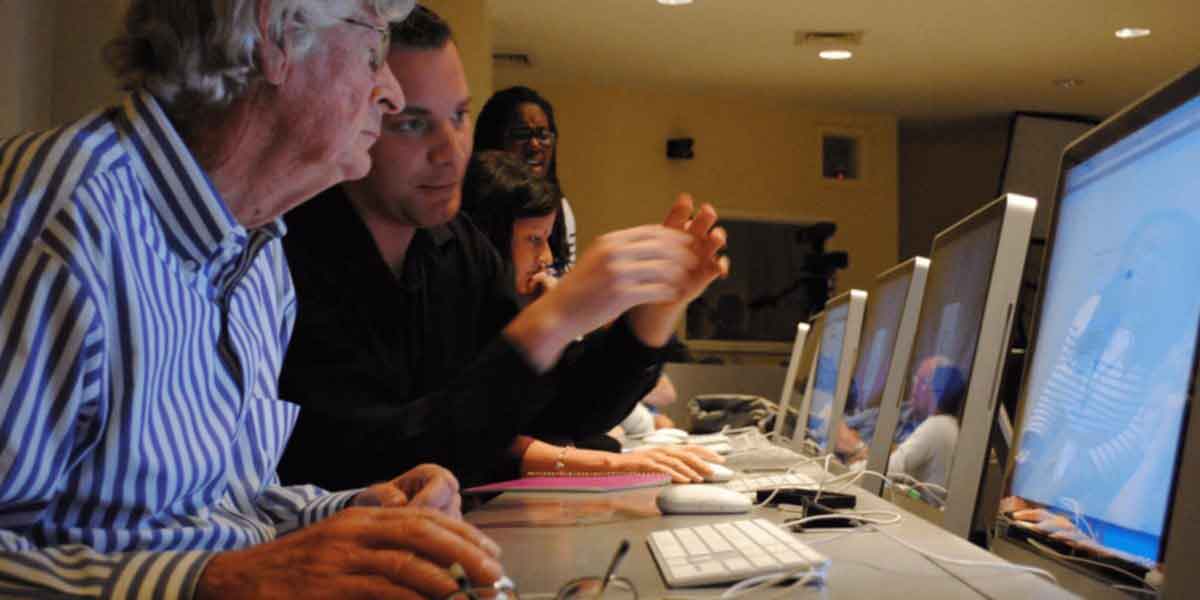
column 835, row 54
column 1068, row 83
column 1129, row 33
column 674, row 2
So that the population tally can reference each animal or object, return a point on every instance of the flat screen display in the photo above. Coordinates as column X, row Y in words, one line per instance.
column 833, row 336
column 1116, row 338
column 884, row 309
column 944, row 348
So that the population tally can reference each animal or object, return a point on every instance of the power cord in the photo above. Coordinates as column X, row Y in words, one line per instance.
column 964, row 562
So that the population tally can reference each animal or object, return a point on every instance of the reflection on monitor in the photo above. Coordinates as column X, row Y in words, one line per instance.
column 944, row 349
column 1107, row 384
column 825, row 374
column 808, row 366
column 880, row 328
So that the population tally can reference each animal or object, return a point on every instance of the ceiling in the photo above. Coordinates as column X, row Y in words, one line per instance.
column 920, row 59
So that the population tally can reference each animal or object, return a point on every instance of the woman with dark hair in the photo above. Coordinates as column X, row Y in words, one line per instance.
column 519, row 121
column 517, row 211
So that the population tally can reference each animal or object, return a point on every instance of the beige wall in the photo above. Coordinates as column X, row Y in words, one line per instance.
column 472, row 26
column 27, row 71
column 82, row 82
column 947, row 170
column 753, row 157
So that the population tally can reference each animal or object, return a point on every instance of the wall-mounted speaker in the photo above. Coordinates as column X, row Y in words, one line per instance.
column 839, row 157
column 680, row 148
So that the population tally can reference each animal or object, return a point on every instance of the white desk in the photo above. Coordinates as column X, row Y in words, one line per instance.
column 551, row 538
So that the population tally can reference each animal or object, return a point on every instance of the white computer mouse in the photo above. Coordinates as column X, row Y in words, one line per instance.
column 700, row 499
column 720, row 473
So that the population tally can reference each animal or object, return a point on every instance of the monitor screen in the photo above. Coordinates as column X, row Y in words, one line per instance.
column 833, row 335
column 944, row 348
column 1116, row 338
column 882, row 319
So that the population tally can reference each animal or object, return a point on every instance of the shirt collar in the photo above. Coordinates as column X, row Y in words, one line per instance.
column 198, row 222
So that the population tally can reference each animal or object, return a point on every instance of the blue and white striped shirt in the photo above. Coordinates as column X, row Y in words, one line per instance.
column 142, row 331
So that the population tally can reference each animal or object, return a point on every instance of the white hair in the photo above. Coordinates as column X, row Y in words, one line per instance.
column 200, row 54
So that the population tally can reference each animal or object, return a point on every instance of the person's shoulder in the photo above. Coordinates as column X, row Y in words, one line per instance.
column 941, row 424
column 63, row 185
column 471, row 239
column 326, row 215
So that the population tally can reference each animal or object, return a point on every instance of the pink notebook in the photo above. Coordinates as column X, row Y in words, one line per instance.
column 575, row 483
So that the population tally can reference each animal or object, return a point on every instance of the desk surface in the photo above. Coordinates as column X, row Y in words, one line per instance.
column 551, row 538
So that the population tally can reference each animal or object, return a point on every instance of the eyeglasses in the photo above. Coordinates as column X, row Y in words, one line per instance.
column 524, row 134
column 377, row 56
column 607, row 587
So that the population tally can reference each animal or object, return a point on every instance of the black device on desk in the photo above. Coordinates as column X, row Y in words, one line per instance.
column 827, row 504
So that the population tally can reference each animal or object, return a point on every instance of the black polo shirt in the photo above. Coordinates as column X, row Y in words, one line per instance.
column 394, row 370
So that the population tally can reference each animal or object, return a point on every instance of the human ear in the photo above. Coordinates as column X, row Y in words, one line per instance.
column 272, row 54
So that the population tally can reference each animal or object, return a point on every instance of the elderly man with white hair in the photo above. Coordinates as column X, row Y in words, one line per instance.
column 145, row 307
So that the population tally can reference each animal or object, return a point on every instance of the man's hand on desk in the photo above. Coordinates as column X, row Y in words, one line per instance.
column 428, row 486
column 357, row 553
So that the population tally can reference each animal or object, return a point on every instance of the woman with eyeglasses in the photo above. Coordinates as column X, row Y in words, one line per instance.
column 519, row 121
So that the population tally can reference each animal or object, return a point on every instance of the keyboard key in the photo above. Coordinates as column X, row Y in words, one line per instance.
column 729, row 551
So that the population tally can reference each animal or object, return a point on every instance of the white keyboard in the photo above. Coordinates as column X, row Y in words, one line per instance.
column 770, row 482
column 728, row 552
column 768, row 458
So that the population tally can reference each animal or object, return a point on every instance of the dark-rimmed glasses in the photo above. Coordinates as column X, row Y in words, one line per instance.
column 606, row 587
column 524, row 134
column 377, row 57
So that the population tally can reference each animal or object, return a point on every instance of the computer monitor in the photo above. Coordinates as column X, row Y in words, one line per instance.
column 789, row 381
column 808, row 365
column 957, row 356
column 888, row 327
column 834, row 366
column 1111, row 369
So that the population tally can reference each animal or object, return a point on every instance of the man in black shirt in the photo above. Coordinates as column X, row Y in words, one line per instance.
column 408, row 346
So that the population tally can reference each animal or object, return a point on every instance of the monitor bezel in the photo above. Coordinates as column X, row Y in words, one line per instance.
column 1113, row 130
column 856, row 300
column 816, row 329
column 789, row 379
column 991, row 349
column 965, row 476
column 917, row 270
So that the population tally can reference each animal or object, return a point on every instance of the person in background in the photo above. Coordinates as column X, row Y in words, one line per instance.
column 409, row 345
column 515, row 209
column 938, row 390
column 146, row 308
column 518, row 120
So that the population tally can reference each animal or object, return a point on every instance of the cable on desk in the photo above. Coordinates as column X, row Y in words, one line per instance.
column 865, row 517
column 754, row 584
column 1002, row 566
column 1046, row 550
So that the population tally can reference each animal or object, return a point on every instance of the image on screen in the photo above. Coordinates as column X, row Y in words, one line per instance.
column 874, row 357
column 1116, row 339
column 944, row 350
column 829, row 356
